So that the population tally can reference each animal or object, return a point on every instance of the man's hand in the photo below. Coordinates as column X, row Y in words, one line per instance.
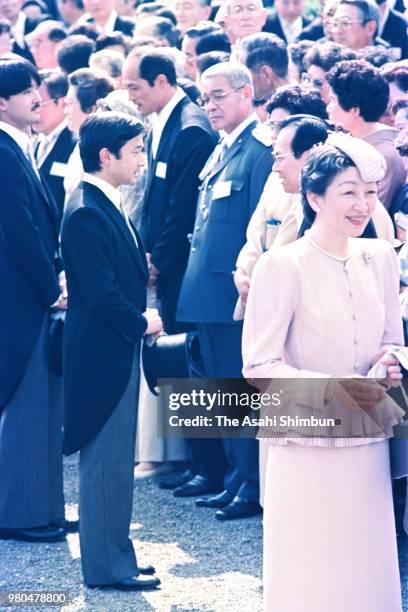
column 154, row 322
column 153, row 272
column 393, row 368
column 61, row 303
column 242, row 282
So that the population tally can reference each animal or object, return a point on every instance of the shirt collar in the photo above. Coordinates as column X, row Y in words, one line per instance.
column 229, row 139
column 19, row 28
column 166, row 111
column 21, row 138
column 107, row 189
column 109, row 26
column 291, row 29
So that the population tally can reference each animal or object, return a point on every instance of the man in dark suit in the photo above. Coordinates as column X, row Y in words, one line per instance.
column 287, row 20
column 56, row 141
column 104, row 15
column 31, row 492
column 178, row 147
column 233, row 180
column 393, row 28
column 107, row 275
column 20, row 26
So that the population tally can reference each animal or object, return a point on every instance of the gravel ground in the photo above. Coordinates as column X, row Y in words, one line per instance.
column 204, row 565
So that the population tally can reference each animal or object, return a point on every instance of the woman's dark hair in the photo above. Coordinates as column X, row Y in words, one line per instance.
column 297, row 52
column 154, row 63
column 110, row 130
column 296, row 100
column 75, row 52
column 358, row 84
column 16, row 75
column 215, row 41
column 327, row 54
column 318, row 172
column 91, row 86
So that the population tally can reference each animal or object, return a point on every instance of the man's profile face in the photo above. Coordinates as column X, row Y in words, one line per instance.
column 23, row 109
column 141, row 93
column 126, row 168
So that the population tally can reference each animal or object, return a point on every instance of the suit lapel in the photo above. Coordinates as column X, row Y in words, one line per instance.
column 211, row 170
column 119, row 221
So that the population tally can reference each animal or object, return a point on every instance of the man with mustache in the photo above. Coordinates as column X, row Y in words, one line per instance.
column 31, row 493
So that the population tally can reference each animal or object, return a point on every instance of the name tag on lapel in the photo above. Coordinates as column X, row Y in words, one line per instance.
column 58, row 169
column 222, row 189
column 161, row 170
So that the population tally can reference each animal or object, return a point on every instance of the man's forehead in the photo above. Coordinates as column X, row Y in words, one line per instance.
column 347, row 10
column 214, row 83
column 232, row 3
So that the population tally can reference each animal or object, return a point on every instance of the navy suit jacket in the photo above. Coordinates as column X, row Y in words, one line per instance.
column 395, row 32
column 107, row 278
column 28, row 244
column 126, row 26
column 273, row 25
column 229, row 194
column 60, row 153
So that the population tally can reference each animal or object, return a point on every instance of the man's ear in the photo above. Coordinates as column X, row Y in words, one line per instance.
column 104, row 156
column 3, row 104
column 371, row 27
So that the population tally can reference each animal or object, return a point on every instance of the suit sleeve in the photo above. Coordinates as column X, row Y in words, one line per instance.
column 88, row 255
column 20, row 234
column 192, row 149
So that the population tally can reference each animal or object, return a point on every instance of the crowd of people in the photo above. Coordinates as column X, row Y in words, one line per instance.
column 231, row 169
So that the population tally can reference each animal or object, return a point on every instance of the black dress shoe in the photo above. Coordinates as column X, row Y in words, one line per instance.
column 69, row 526
column 134, row 583
column 146, row 570
column 237, row 509
column 176, row 480
column 217, row 501
column 199, row 485
column 34, row 534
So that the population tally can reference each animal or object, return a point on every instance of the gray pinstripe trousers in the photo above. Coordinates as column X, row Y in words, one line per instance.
column 31, row 485
column 106, row 493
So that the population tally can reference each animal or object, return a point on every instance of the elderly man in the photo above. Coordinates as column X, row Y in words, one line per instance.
column 189, row 45
column 355, row 23
column 243, row 17
column 287, row 21
column 44, row 42
column 190, row 12
column 233, row 180
column 104, row 15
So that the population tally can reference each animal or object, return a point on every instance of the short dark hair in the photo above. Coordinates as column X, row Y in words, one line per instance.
column 377, row 55
column 91, row 86
column 16, row 75
column 358, row 84
column 75, row 52
column 269, row 49
column 108, row 40
column 398, row 74
column 327, row 54
column 91, row 30
column 308, row 131
column 5, row 26
column 318, row 172
column 399, row 104
column 297, row 51
column 368, row 9
column 110, row 130
column 57, row 33
column 165, row 28
column 55, row 81
column 296, row 100
column 202, row 29
column 205, row 60
column 190, row 88
column 214, row 41
column 154, row 63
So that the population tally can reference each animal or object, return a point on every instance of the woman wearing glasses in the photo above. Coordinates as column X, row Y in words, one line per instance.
column 327, row 306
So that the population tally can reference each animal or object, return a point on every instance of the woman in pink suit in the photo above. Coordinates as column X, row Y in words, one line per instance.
column 323, row 308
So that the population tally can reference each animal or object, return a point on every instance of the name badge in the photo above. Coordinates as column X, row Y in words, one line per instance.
column 161, row 170
column 222, row 189
column 58, row 169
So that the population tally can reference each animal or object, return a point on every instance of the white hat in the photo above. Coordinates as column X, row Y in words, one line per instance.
column 370, row 163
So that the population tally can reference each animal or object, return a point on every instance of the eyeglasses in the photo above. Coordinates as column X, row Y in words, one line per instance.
column 238, row 9
column 45, row 102
column 307, row 81
column 281, row 157
column 344, row 24
column 217, row 97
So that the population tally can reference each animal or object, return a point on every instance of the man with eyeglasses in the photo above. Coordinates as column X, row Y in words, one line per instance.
column 243, row 17
column 355, row 23
column 232, row 182
column 56, row 141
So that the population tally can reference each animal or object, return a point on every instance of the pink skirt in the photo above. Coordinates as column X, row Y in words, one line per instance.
column 329, row 533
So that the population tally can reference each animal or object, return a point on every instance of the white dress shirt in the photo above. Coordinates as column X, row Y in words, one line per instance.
column 18, row 29
column 291, row 29
column 46, row 143
column 112, row 194
column 230, row 138
column 23, row 141
column 160, row 119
